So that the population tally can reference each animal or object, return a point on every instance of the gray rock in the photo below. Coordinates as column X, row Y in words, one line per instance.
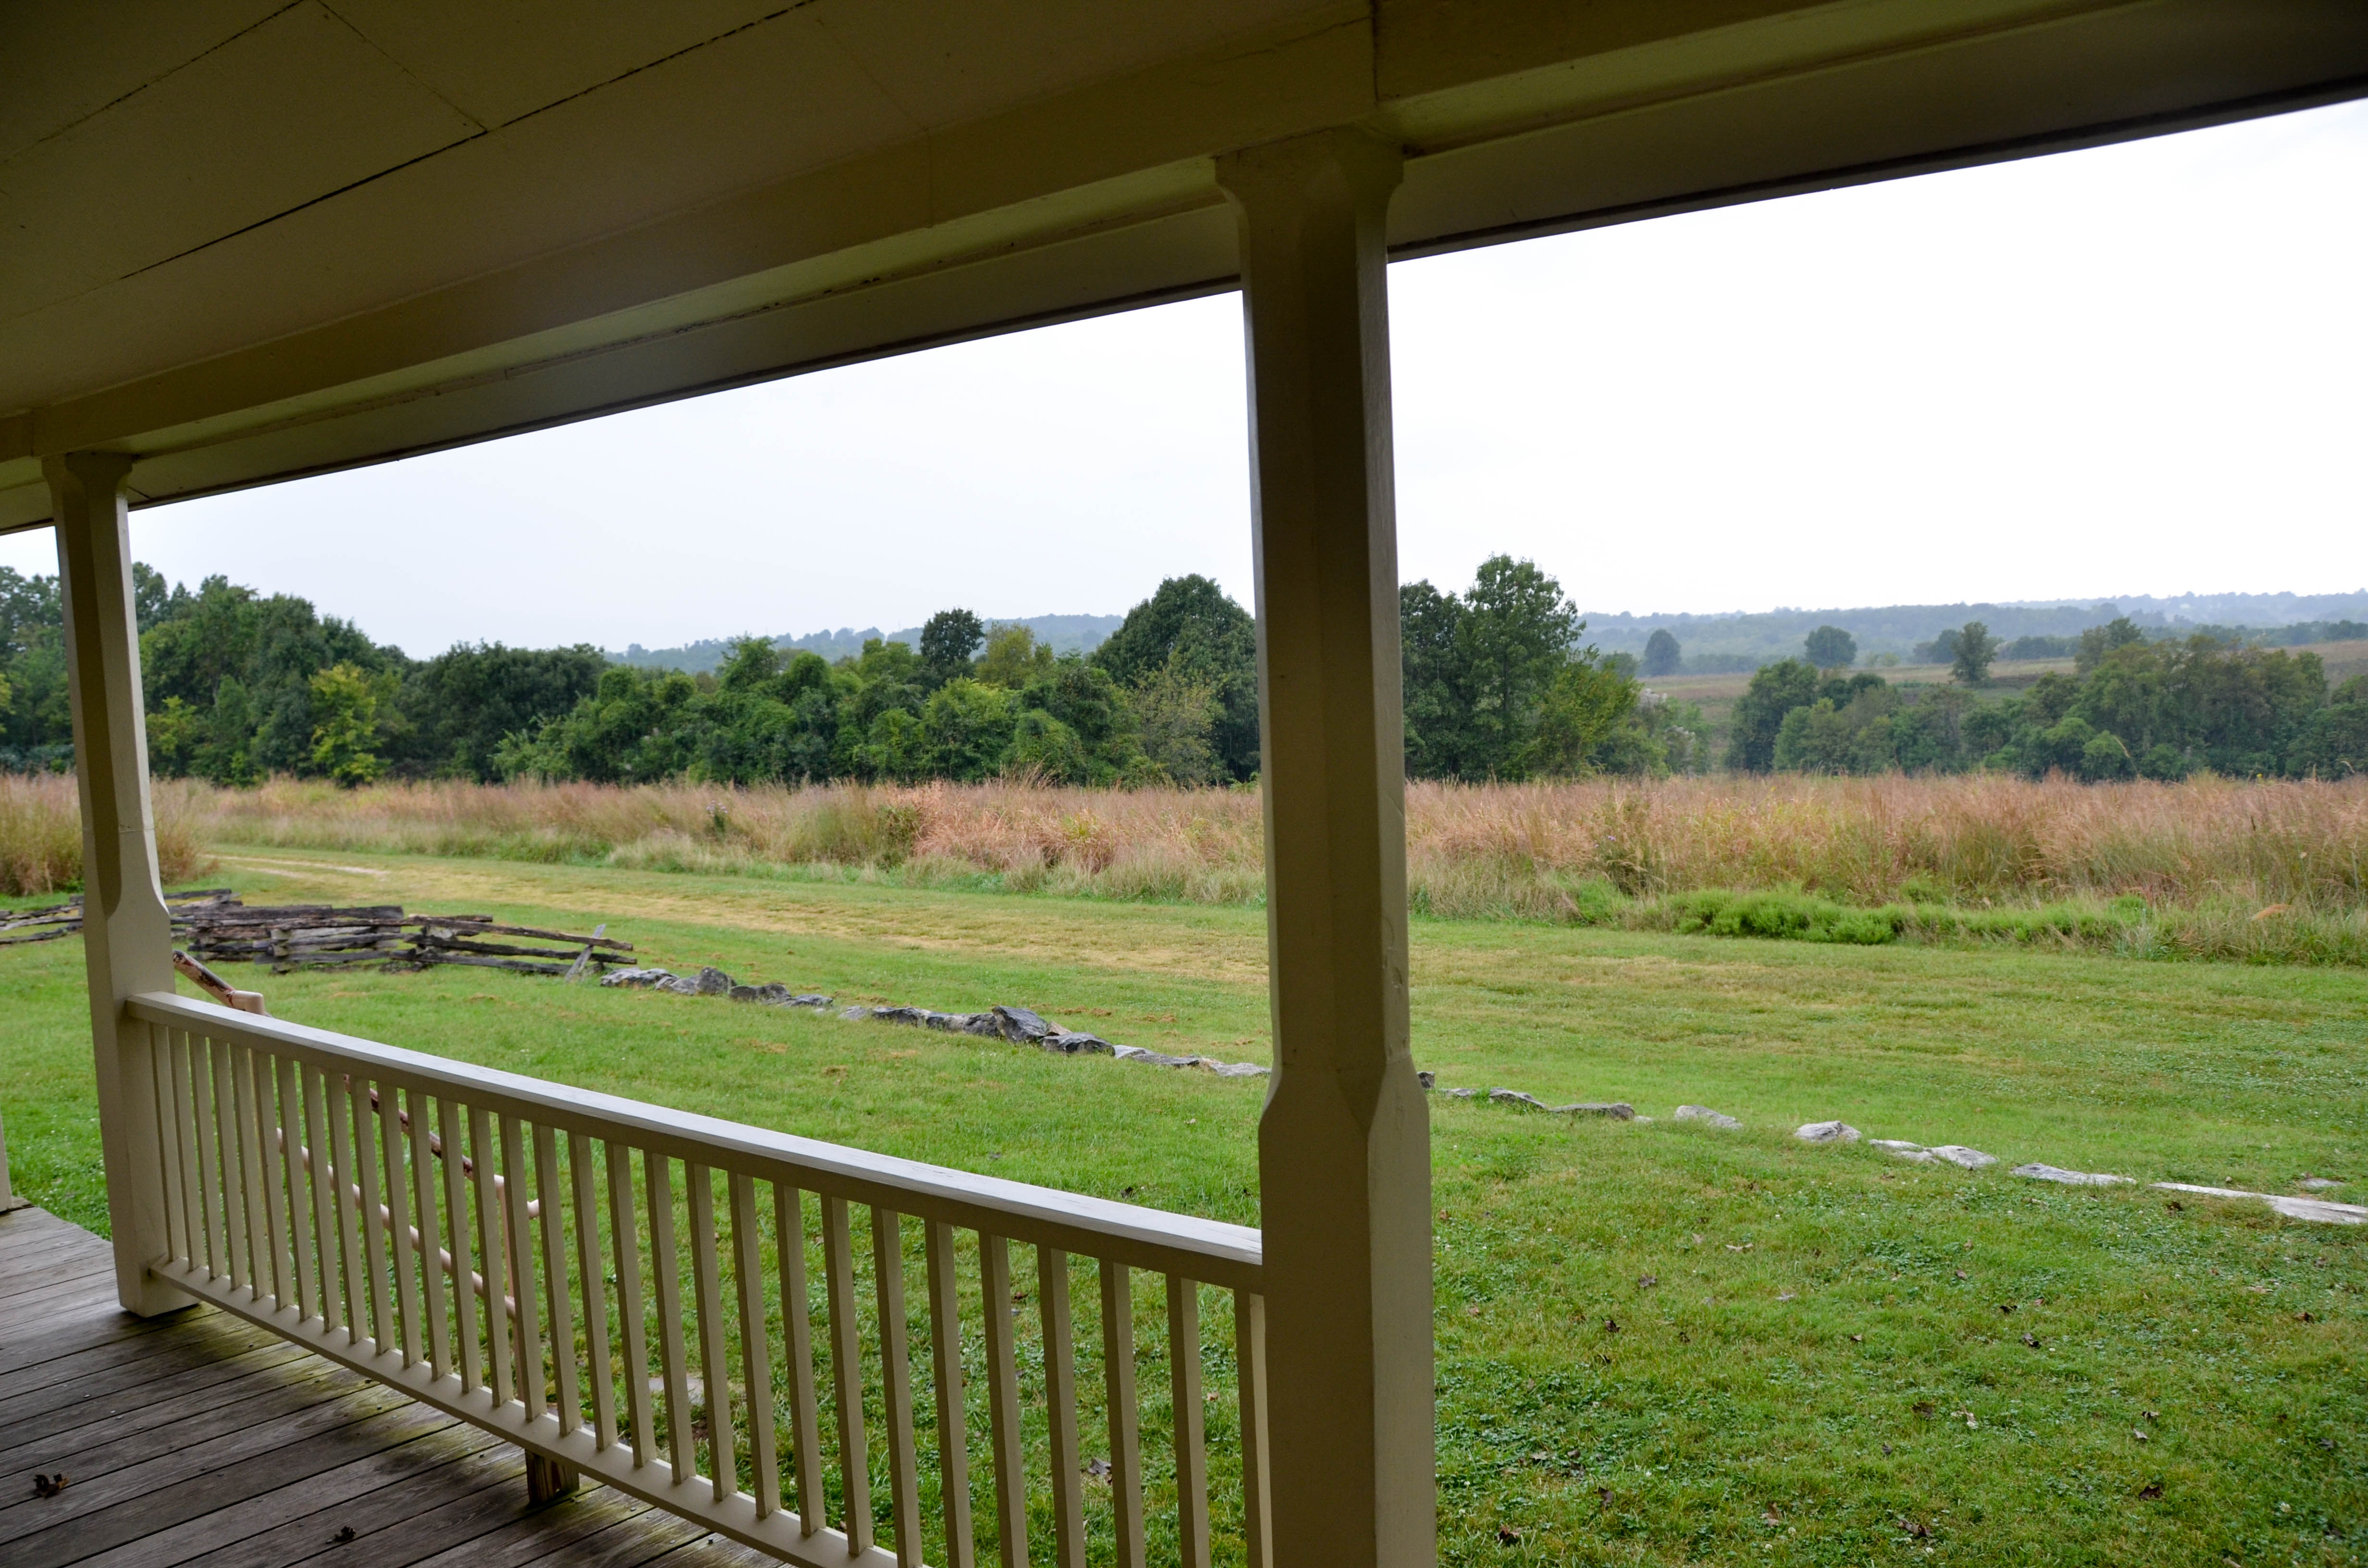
column 1234, row 1069
column 1021, row 1027
column 1428, row 1080
column 1072, row 1042
column 1826, row 1132
column 712, row 981
column 636, row 979
column 2314, row 1184
column 681, row 984
column 1152, row 1058
column 1618, row 1111
column 985, row 1024
column 1515, row 1096
column 2038, row 1171
column 1906, row 1150
column 1704, row 1114
column 807, row 999
column 950, row 1023
column 912, row 1018
column 1958, row 1154
column 755, row 992
column 1461, row 1094
column 854, row 1014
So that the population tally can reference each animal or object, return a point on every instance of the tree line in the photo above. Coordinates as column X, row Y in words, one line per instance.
column 2135, row 707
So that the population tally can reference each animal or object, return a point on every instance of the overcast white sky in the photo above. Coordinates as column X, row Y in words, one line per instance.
column 2139, row 369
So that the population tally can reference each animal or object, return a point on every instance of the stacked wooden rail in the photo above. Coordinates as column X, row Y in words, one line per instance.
column 631, row 1294
column 215, row 927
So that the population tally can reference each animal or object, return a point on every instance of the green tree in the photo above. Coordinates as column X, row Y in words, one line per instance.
column 1662, row 655
column 1589, row 704
column 950, row 643
column 344, row 712
column 2100, row 640
column 1775, row 690
column 1013, row 657
column 1970, row 663
column 1831, row 648
column 1513, row 640
column 1437, row 708
column 1179, row 712
column 1192, row 623
column 966, row 728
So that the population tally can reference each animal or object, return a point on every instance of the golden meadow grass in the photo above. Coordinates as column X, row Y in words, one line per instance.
column 2207, row 857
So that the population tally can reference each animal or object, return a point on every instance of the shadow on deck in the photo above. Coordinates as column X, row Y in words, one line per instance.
column 198, row 1439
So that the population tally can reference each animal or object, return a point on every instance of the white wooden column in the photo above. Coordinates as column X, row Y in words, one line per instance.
column 127, row 935
column 1344, row 1146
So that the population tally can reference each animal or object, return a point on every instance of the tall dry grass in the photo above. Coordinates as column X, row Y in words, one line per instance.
column 1525, row 851
column 40, row 835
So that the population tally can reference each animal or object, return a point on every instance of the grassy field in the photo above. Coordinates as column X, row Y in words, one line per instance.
column 1813, row 1361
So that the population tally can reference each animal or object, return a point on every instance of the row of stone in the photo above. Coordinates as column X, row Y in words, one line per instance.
column 1018, row 1024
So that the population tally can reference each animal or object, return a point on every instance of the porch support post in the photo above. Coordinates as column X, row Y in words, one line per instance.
column 1344, row 1145
column 127, row 935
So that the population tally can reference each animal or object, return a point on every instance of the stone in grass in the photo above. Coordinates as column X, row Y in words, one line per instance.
column 1826, row 1132
column 1618, row 1111
column 1238, row 1069
column 712, row 981
column 637, row 979
column 2037, row 1172
column 680, row 984
column 949, row 1023
column 854, row 1014
column 1021, row 1027
column 1704, row 1114
column 2314, row 1184
column 1959, row 1155
column 1152, row 1058
column 1906, row 1150
column 1515, row 1096
column 772, row 993
column 1075, row 1043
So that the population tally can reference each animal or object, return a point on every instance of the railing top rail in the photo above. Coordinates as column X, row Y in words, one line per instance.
column 1207, row 1250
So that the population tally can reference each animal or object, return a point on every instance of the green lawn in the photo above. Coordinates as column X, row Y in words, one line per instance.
column 1786, row 1314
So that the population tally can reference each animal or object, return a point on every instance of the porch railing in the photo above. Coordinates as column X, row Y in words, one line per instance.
column 631, row 1292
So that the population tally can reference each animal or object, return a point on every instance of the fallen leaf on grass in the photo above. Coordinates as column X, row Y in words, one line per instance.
column 1857, row 1339
column 1611, row 1326
column 2305, row 1317
column 1508, row 1537
column 1646, row 1281
column 2175, row 1206
column 1097, row 1468
column 1784, row 1295
column 1961, row 1274
column 2258, row 1289
column 2150, row 1491
column 1917, row 1529
column 1922, row 1407
column 49, row 1485
column 1771, row 1516
column 2032, row 1340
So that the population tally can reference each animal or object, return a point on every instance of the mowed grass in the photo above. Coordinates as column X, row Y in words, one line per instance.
column 1812, row 1361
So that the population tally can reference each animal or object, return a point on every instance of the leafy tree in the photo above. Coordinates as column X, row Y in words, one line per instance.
column 1179, row 714
column 1513, row 641
column 1013, row 657
column 344, row 710
column 1775, row 690
column 949, row 642
column 1192, row 623
column 1437, row 707
column 2100, row 641
column 1831, row 648
column 1583, row 712
column 454, row 710
column 1969, row 664
column 966, row 728
column 1662, row 655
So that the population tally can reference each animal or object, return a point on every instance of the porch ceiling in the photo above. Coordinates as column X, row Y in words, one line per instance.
column 252, row 239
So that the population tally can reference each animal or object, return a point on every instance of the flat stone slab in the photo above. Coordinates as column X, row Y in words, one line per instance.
column 1706, row 1115
column 2321, row 1210
column 1826, row 1132
column 2057, row 1174
column 1904, row 1149
column 1958, row 1154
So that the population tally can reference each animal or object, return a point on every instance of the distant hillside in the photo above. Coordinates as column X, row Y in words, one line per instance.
column 1745, row 641
column 1062, row 633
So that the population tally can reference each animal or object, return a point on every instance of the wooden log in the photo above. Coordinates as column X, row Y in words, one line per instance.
column 488, row 928
column 498, row 949
column 517, row 965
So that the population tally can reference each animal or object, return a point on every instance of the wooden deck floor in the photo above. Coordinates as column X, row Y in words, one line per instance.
column 197, row 1438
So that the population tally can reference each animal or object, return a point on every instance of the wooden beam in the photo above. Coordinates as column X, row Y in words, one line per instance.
column 1344, row 1145
column 127, row 931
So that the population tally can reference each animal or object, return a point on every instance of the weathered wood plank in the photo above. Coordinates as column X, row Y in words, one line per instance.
column 175, row 1545
column 243, row 1408
column 126, row 1399
column 597, row 1529
column 106, row 1339
column 90, row 1516
column 72, row 1298
column 47, row 1274
column 445, row 1496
